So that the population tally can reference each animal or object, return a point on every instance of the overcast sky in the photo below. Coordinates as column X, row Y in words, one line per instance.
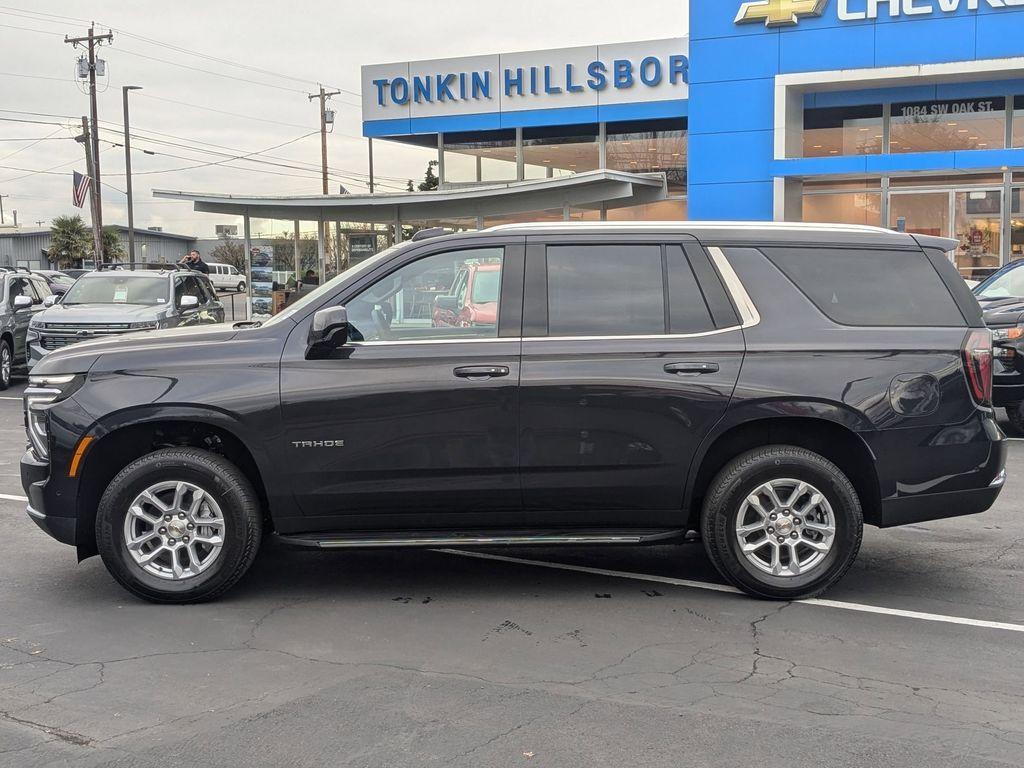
column 309, row 41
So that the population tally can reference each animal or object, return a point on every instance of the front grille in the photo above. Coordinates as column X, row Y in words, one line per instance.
column 56, row 335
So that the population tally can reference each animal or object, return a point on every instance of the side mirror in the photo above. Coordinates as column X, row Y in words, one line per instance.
column 448, row 303
column 22, row 302
column 329, row 329
column 189, row 302
column 50, row 300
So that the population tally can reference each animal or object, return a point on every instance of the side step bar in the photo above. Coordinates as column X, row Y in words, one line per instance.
column 379, row 540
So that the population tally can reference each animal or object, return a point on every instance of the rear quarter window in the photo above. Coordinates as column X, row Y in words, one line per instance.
column 854, row 286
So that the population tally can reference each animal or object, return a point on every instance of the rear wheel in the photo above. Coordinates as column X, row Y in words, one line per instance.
column 240, row 287
column 782, row 522
column 179, row 525
column 1015, row 415
column 6, row 364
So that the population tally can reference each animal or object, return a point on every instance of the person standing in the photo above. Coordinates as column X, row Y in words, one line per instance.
column 194, row 262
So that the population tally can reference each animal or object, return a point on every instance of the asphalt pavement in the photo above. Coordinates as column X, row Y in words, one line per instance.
column 616, row 657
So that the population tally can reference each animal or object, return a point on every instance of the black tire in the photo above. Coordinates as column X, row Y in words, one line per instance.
column 6, row 364
column 739, row 479
column 216, row 476
column 1015, row 415
column 240, row 288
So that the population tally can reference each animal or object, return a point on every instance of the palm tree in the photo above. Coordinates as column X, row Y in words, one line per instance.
column 113, row 249
column 70, row 241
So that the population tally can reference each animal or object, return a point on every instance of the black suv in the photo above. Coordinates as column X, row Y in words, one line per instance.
column 773, row 386
column 1002, row 302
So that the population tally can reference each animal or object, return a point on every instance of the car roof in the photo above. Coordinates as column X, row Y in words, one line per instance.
column 741, row 232
column 129, row 273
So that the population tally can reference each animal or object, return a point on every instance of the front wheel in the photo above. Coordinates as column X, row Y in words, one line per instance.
column 179, row 525
column 6, row 364
column 782, row 523
column 240, row 287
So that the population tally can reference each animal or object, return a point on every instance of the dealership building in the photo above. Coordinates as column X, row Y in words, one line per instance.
column 907, row 114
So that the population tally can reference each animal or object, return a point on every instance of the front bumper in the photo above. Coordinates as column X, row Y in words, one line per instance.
column 35, row 473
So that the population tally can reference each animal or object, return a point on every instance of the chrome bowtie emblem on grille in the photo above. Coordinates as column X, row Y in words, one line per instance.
column 318, row 443
column 777, row 13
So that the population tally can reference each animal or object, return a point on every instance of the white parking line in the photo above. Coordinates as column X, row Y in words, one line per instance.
column 9, row 497
column 839, row 605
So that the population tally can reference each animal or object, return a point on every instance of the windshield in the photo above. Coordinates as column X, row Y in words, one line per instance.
column 315, row 296
column 1006, row 285
column 485, row 286
column 118, row 289
column 62, row 279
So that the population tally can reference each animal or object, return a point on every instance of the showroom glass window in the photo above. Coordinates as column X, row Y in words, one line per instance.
column 448, row 296
column 473, row 157
column 937, row 126
column 843, row 131
column 649, row 146
column 560, row 150
column 846, row 202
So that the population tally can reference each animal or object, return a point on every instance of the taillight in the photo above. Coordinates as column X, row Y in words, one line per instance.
column 977, row 352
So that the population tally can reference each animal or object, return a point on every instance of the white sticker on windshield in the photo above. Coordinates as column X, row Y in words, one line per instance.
column 121, row 294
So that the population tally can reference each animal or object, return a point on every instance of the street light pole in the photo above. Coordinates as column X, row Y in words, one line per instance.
column 128, row 173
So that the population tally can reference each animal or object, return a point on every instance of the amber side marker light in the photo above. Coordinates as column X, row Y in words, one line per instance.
column 76, row 460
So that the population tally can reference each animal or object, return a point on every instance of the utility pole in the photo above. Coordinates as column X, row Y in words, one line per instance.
column 325, row 118
column 128, row 173
column 97, row 235
column 2, row 208
column 93, row 41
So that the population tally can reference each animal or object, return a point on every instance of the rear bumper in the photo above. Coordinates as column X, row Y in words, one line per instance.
column 938, row 506
column 1007, row 394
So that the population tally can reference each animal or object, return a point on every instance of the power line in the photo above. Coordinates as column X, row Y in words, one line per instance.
column 36, row 141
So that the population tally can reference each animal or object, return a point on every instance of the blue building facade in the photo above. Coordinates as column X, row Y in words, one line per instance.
column 906, row 114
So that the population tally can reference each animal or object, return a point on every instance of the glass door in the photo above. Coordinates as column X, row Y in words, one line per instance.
column 972, row 216
column 977, row 224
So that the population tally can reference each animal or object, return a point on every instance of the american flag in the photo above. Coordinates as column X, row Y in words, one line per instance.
column 81, row 189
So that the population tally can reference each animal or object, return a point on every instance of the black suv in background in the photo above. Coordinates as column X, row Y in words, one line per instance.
column 774, row 386
column 22, row 295
column 1002, row 302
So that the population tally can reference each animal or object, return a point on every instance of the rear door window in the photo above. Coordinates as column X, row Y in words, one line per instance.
column 870, row 287
column 605, row 290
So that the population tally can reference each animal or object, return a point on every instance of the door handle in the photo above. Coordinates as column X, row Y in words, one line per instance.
column 481, row 372
column 691, row 368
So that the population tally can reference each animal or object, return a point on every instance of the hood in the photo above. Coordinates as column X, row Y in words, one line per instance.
column 80, row 357
column 100, row 313
column 1001, row 311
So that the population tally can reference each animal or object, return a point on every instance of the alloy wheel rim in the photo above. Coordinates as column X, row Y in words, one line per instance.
column 174, row 530
column 5, row 362
column 785, row 528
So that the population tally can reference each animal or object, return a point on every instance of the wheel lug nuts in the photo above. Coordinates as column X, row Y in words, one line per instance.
column 796, row 520
column 794, row 535
column 163, row 530
column 781, row 539
column 185, row 538
column 774, row 516
column 191, row 527
column 170, row 541
column 181, row 515
column 167, row 518
column 771, row 530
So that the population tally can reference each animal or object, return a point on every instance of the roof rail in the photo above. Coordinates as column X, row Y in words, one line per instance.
column 7, row 268
column 426, row 234
column 142, row 265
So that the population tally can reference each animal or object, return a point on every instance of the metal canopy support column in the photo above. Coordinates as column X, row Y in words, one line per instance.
column 296, row 245
column 398, row 226
column 321, row 248
column 247, row 232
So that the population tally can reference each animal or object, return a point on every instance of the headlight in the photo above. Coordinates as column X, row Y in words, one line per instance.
column 148, row 325
column 1007, row 334
column 42, row 392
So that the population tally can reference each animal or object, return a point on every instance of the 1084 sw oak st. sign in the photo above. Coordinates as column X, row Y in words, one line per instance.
column 655, row 70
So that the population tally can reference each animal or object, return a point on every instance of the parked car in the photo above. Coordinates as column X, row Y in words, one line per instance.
column 116, row 301
column 774, row 386
column 226, row 277
column 472, row 299
column 57, row 280
column 23, row 294
column 74, row 274
column 1002, row 301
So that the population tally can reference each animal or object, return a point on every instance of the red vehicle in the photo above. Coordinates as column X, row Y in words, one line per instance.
column 472, row 299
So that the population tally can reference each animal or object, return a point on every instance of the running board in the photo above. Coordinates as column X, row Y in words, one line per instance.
column 377, row 540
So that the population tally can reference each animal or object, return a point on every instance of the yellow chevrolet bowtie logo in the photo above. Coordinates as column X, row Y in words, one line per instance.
column 777, row 13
